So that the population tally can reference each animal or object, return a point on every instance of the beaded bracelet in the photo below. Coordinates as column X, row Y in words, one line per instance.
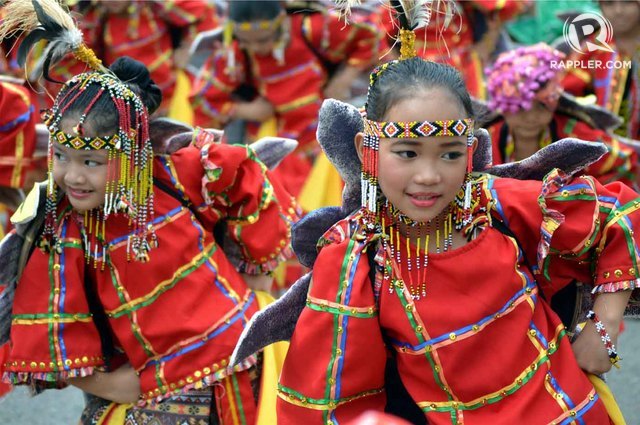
column 606, row 339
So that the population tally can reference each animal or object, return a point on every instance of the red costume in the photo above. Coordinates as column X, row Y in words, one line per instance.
column 17, row 146
column 616, row 87
column 482, row 346
column 177, row 317
column 293, row 86
column 619, row 164
column 455, row 45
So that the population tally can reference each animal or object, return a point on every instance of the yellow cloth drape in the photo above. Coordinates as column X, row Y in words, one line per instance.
column 180, row 109
column 607, row 398
column 323, row 187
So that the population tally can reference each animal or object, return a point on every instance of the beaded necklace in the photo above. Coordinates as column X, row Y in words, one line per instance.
column 397, row 230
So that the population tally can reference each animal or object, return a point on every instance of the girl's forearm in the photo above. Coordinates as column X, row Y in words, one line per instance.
column 121, row 386
column 610, row 309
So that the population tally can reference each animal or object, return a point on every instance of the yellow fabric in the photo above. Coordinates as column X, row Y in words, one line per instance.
column 272, row 361
column 280, row 274
column 114, row 414
column 268, row 128
column 4, row 220
column 323, row 188
column 180, row 109
column 607, row 398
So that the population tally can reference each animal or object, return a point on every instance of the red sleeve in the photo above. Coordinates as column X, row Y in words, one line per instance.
column 182, row 13
column 258, row 210
column 579, row 229
column 193, row 16
column 577, row 82
column 334, row 369
column 359, row 44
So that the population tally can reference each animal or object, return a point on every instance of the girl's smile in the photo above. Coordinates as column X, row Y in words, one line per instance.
column 423, row 200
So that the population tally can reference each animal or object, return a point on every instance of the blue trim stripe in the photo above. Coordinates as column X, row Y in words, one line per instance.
column 582, row 411
column 465, row 329
column 343, row 336
column 21, row 119
column 157, row 220
column 498, row 205
column 219, row 285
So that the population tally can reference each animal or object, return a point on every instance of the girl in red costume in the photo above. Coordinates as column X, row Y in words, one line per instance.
column 282, row 60
column 525, row 90
column 127, row 294
column 451, row 272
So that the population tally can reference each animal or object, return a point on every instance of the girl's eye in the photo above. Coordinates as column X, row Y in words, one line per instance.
column 58, row 156
column 406, row 154
column 452, row 155
column 92, row 163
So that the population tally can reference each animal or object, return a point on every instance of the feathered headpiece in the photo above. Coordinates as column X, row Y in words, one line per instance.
column 46, row 20
column 129, row 187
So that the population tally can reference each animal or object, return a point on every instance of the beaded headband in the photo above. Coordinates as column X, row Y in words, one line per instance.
column 414, row 129
column 86, row 143
column 266, row 24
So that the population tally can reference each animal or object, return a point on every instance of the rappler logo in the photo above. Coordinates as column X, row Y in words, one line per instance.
column 580, row 28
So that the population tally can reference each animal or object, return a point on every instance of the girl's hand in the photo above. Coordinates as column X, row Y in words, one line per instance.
column 259, row 282
column 589, row 350
column 120, row 386
column 588, row 347
column 259, row 109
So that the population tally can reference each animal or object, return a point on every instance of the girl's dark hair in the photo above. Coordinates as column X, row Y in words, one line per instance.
column 403, row 79
column 250, row 11
column 103, row 116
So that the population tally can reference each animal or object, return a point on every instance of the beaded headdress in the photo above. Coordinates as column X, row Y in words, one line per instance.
column 396, row 239
column 524, row 75
column 129, row 187
column 416, row 16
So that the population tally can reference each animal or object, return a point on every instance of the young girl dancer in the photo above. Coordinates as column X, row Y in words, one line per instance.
column 450, row 271
column 127, row 269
